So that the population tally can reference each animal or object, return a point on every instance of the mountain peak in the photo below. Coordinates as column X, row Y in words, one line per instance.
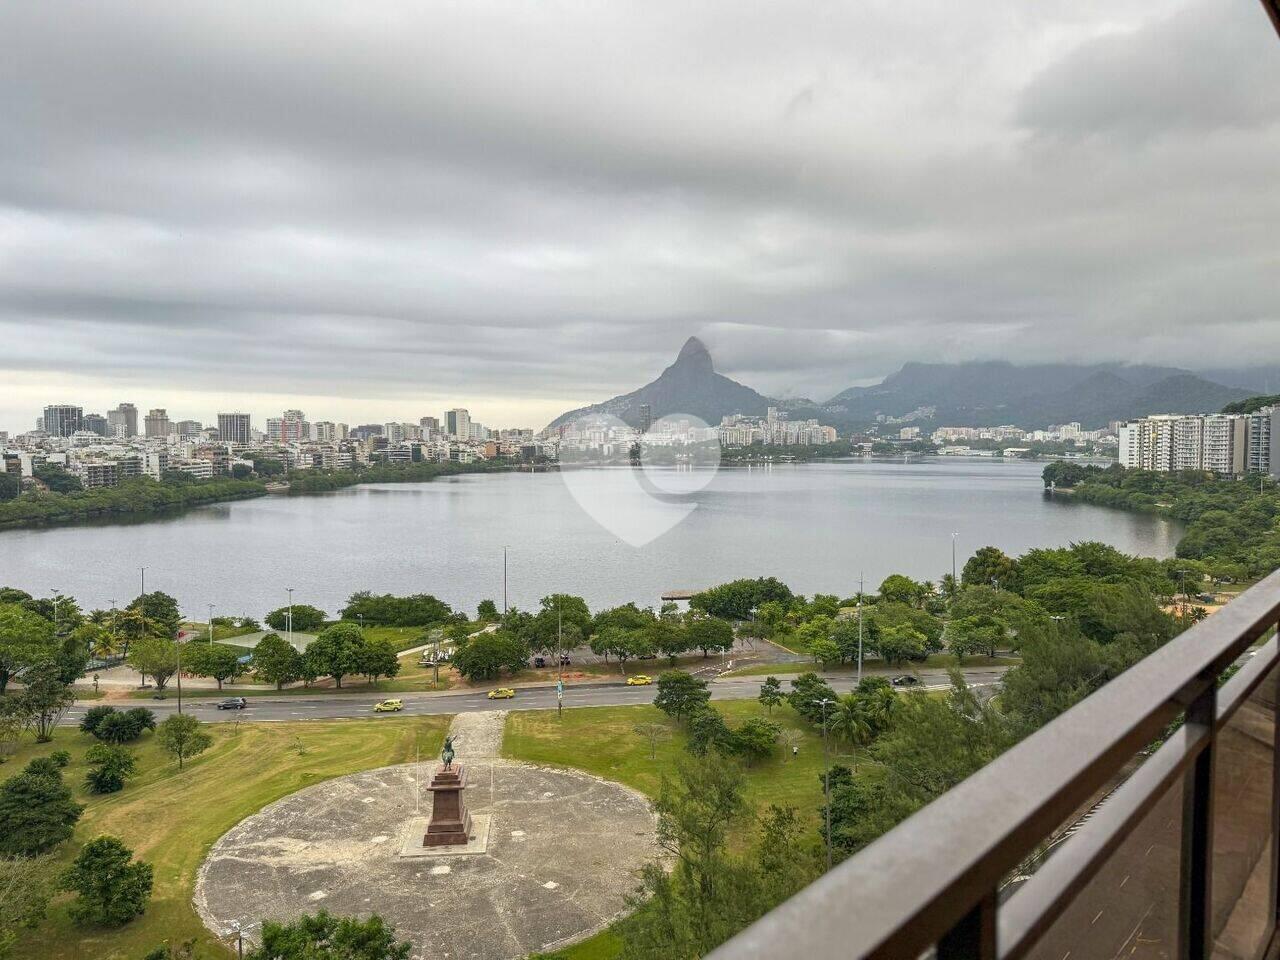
column 694, row 354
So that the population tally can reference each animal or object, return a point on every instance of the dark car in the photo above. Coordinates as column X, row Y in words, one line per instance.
column 564, row 660
column 539, row 661
column 233, row 703
column 905, row 681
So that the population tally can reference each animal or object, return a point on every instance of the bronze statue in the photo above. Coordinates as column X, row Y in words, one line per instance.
column 448, row 753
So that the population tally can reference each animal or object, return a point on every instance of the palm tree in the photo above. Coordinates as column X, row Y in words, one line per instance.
column 878, row 706
column 850, row 719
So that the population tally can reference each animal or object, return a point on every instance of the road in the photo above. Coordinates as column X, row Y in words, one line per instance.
column 335, row 706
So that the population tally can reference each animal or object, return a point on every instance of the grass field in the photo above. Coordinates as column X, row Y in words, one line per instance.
column 171, row 818
column 602, row 741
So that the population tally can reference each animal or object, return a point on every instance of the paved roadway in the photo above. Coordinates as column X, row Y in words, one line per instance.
column 332, row 706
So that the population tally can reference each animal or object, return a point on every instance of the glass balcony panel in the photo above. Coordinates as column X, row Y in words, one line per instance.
column 1244, row 780
column 1130, row 908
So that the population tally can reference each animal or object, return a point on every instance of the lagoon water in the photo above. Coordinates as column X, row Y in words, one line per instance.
column 818, row 527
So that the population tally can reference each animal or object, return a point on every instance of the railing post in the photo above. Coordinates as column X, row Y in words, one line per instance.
column 1275, row 803
column 974, row 936
column 1195, row 935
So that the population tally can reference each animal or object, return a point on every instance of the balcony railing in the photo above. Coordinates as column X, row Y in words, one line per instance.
column 1179, row 861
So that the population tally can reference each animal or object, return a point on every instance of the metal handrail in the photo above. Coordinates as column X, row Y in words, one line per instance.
column 932, row 880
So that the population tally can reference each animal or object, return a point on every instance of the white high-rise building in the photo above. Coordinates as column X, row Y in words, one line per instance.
column 457, row 424
column 1164, row 442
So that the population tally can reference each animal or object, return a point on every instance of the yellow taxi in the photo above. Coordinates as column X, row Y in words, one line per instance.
column 388, row 706
column 502, row 693
column 639, row 680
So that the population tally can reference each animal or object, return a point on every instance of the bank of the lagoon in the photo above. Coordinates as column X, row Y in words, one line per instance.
column 816, row 526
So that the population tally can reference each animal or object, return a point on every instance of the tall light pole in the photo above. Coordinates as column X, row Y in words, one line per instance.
column 54, row 592
column 211, row 624
column 826, row 777
column 142, row 602
column 859, row 628
column 177, row 646
column 289, row 591
column 504, row 579
column 953, row 560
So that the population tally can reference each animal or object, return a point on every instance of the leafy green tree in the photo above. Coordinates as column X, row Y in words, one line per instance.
column 182, row 736
column 276, row 661
column 756, row 738
column 378, row 659
column 213, row 660
column 111, row 887
column 900, row 642
column 326, row 937
column 161, row 612
column 93, row 717
column 117, row 727
column 26, row 885
column 45, row 699
column 708, row 730
column 897, row 588
column 419, row 610
column 990, row 565
column 735, row 600
column 305, row 618
column 970, row 635
column 336, row 651
column 487, row 611
column 25, row 638
column 155, row 657
column 771, row 693
column 109, row 768
column 709, row 634
column 37, row 813
column 57, row 479
column 488, row 654
column 10, row 486
column 680, row 694
column 826, row 651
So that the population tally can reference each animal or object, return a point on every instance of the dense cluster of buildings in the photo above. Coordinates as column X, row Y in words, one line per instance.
column 774, row 429
column 609, row 435
column 104, row 450
column 1226, row 443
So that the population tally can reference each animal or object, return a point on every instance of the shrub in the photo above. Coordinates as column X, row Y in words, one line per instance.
column 112, row 887
column 110, row 767
column 93, row 717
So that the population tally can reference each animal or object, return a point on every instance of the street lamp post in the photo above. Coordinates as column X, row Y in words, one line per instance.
column 826, row 777
column 142, row 602
column 504, row 580
column 289, row 591
column 211, row 624
column 859, row 628
column 953, row 560
column 54, row 591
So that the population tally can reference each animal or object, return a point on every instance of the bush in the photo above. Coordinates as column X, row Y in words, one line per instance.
column 112, row 887
column 110, row 767
column 44, row 767
column 117, row 727
column 93, row 717
column 60, row 757
column 305, row 618
column 36, row 814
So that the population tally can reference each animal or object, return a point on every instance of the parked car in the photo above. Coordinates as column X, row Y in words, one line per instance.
column 233, row 703
column 388, row 706
column 906, row 680
column 648, row 656
column 502, row 693
column 564, row 660
column 639, row 680
column 539, row 661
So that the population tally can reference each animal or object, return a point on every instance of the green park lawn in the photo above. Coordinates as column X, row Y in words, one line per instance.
column 171, row 818
column 602, row 741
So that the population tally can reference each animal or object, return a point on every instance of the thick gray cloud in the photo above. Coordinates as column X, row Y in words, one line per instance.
column 379, row 209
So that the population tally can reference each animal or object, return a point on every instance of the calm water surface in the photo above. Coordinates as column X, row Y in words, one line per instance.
column 816, row 526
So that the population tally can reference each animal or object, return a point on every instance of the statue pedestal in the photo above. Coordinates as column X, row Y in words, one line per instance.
column 450, row 823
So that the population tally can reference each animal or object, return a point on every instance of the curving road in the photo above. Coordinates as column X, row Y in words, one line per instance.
column 336, row 706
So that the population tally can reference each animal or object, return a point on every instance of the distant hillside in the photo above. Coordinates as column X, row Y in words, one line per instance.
column 937, row 394
column 1252, row 404
column 990, row 393
column 690, row 385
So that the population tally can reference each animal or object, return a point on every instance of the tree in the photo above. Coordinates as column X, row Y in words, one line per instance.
column 708, row 634
column 488, row 654
column 336, row 651
column 110, row 767
column 182, row 736
column 826, row 651
column 26, row 884
column 969, row 635
column 118, row 727
column 850, row 719
column 899, row 589
column 487, row 611
column 790, row 740
column 755, row 738
column 378, row 659
column 112, row 888
column 419, row 610
column 896, row 643
column 807, row 692
column 990, row 565
column 680, row 694
column 160, row 611
column 93, row 717
column 652, row 732
column 25, row 637
column 326, row 937
column 156, row 657
column 10, row 485
column 37, row 813
column 45, row 699
column 771, row 693
column 305, row 618
column 707, row 729
column 735, row 600
column 213, row 660
column 57, row 479
column 276, row 661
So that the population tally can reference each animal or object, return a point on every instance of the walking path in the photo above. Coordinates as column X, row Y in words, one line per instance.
column 478, row 735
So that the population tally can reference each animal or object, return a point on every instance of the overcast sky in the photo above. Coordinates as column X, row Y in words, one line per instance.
column 375, row 212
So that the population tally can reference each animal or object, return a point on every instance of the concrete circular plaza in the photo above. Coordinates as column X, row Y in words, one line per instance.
column 562, row 853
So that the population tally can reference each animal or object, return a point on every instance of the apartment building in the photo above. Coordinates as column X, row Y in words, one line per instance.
column 1227, row 444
